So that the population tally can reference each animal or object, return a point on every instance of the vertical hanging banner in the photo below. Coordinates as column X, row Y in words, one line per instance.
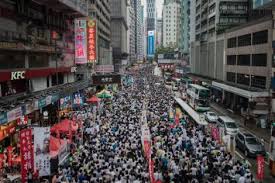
column 91, row 39
column 80, row 41
column 26, row 150
column 260, row 168
column 42, row 150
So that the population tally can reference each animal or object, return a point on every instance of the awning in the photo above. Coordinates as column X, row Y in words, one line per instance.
column 241, row 92
column 93, row 99
column 199, row 119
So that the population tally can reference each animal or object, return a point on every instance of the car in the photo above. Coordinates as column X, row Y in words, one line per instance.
column 229, row 125
column 249, row 144
column 211, row 117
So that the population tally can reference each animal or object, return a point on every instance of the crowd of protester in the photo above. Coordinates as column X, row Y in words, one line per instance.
column 112, row 152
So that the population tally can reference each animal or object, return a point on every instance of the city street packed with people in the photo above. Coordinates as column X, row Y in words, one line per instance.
column 181, row 151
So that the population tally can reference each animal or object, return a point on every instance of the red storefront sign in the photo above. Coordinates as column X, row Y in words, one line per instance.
column 260, row 167
column 26, row 150
column 34, row 73
column 1, row 161
column 91, row 37
column 23, row 120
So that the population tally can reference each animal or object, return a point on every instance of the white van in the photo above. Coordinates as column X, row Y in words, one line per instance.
column 229, row 125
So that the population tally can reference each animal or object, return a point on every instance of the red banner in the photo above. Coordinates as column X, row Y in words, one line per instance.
column 26, row 150
column 260, row 167
column 151, row 170
column 9, row 155
column 147, row 149
column 91, row 38
column 1, row 160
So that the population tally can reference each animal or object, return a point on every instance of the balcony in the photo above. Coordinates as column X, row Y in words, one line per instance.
column 78, row 8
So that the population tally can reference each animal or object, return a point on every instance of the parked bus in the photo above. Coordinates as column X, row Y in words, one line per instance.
column 198, row 97
column 186, row 81
column 175, row 84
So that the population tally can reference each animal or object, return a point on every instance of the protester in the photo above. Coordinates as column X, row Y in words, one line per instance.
column 112, row 149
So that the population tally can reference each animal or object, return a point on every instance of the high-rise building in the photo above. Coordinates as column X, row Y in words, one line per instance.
column 184, row 44
column 159, row 33
column 37, row 61
column 139, row 30
column 212, row 19
column 119, row 31
column 151, row 15
column 143, row 46
column 100, row 11
column 132, row 29
column 171, row 23
column 151, row 28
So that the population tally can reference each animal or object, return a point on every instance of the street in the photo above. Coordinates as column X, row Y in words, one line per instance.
column 141, row 137
column 240, row 155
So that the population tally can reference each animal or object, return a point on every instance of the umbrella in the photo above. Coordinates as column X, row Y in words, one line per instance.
column 93, row 99
column 104, row 94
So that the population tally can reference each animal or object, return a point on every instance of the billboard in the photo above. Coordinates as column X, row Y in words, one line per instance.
column 151, row 44
column 80, row 41
column 42, row 150
column 91, row 38
column 259, row 3
column 106, row 79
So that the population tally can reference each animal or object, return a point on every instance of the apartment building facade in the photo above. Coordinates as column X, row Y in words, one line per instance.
column 171, row 23
column 119, row 29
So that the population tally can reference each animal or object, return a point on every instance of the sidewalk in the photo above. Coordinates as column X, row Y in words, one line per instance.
column 250, row 127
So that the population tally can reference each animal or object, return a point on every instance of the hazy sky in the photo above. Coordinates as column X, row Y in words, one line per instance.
column 159, row 6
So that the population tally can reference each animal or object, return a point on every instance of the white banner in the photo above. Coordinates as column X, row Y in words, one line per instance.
column 42, row 150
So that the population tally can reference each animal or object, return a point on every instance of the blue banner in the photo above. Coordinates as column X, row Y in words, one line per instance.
column 151, row 44
column 3, row 118
column 78, row 99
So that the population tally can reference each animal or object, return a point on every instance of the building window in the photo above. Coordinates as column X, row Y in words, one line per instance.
column 243, row 79
column 9, row 60
column 244, row 60
column 259, row 60
column 231, row 59
column 38, row 60
column 258, row 81
column 231, row 77
column 232, row 42
column 244, row 40
column 260, row 37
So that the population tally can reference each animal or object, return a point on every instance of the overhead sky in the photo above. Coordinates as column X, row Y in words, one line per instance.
column 159, row 4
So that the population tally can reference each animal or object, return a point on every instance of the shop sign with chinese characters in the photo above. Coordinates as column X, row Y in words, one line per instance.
column 91, row 37
column 80, row 41
column 106, row 79
column 26, row 150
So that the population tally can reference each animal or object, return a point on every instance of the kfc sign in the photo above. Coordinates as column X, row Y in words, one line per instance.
column 18, row 75
column 91, row 37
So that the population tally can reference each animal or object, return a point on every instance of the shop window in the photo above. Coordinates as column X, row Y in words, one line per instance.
column 258, row 81
column 13, row 87
column 59, row 80
column 232, row 42
column 259, row 60
column 260, row 37
column 10, row 60
column 38, row 60
column 244, row 60
column 243, row 79
column 244, row 40
column 231, row 59
column 231, row 77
